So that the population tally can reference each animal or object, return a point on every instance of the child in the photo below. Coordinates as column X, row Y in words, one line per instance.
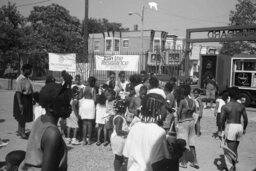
column 135, row 106
column 13, row 160
column 87, row 114
column 110, row 95
column 37, row 109
column 221, row 101
column 119, row 134
column 100, row 116
column 87, row 110
column 72, row 120
column 199, row 109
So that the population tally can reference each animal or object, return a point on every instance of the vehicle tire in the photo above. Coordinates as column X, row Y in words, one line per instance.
column 247, row 99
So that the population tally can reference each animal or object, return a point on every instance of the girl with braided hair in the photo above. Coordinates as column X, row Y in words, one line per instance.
column 146, row 146
column 120, row 131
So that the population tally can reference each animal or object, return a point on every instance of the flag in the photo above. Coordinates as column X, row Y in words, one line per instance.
column 153, row 5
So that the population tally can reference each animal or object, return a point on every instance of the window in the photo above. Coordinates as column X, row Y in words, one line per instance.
column 97, row 46
column 125, row 43
column 117, row 45
column 108, row 45
column 157, row 45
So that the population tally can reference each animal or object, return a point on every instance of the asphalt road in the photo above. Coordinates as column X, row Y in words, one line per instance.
column 99, row 158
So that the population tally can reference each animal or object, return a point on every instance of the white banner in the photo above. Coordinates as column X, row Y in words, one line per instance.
column 60, row 62
column 117, row 62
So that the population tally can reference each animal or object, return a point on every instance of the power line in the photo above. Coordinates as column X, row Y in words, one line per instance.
column 34, row 3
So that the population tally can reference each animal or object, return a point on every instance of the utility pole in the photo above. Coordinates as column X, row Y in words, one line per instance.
column 86, row 34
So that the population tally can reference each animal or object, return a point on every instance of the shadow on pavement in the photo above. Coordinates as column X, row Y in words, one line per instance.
column 2, row 120
column 220, row 163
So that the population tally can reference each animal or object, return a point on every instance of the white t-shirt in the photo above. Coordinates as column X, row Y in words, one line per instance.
column 137, row 90
column 38, row 111
column 157, row 91
column 221, row 103
column 145, row 145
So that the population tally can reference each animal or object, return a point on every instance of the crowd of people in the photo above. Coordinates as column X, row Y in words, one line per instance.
column 148, row 127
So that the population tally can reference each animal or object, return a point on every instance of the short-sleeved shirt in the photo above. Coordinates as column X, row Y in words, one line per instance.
column 24, row 85
column 145, row 145
column 221, row 103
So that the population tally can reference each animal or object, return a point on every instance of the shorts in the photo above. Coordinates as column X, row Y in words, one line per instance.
column 210, row 94
column 234, row 131
column 186, row 131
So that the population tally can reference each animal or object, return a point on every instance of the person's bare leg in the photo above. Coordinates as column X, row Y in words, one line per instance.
column 75, row 133
column 84, row 132
column 68, row 132
column 99, row 134
column 195, row 163
column 105, row 134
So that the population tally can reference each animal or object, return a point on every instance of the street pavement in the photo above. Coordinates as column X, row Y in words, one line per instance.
column 99, row 158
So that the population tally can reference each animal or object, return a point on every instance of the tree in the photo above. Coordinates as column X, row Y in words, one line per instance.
column 244, row 14
column 11, row 32
column 102, row 25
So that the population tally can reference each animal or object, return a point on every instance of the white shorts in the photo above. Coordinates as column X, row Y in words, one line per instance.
column 233, row 131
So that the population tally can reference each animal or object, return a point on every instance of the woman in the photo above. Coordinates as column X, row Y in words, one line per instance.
column 186, row 123
column 46, row 150
column 22, row 106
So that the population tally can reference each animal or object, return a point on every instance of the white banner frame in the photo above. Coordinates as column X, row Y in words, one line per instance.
column 117, row 62
column 60, row 62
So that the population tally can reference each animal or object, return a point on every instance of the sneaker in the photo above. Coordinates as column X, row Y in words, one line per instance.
column 183, row 165
column 105, row 143
column 98, row 143
column 75, row 141
column 3, row 144
column 68, row 140
column 194, row 165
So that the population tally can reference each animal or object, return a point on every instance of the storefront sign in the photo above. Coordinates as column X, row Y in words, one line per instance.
column 60, row 62
column 216, row 34
column 117, row 62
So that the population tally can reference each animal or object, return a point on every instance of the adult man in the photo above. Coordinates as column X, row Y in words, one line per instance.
column 231, row 114
column 144, row 78
column 211, row 88
column 154, row 87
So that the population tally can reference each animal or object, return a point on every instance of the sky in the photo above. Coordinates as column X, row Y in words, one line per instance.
column 173, row 16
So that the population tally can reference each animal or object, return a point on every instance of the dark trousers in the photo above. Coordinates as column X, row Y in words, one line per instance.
column 118, row 163
column 87, row 128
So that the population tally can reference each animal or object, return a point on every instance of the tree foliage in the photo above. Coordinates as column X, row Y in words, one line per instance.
column 102, row 25
column 244, row 14
column 47, row 29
